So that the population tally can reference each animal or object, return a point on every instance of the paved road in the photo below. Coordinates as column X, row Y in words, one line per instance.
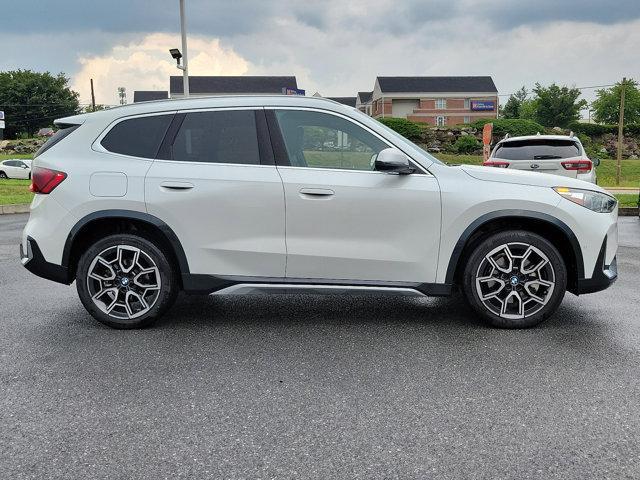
column 317, row 387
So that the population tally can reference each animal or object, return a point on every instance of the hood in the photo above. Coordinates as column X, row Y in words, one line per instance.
column 523, row 177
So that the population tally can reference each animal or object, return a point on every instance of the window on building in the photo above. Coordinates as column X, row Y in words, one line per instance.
column 441, row 103
column 218, row 137
column 441, row 121
column 467, row 103
column 467, row 119
column 137, row 137
column 321, row 140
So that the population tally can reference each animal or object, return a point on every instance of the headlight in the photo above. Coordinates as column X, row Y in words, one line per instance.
column 596, row 201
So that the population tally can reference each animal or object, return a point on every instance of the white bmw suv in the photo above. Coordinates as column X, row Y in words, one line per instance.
column 277, row 193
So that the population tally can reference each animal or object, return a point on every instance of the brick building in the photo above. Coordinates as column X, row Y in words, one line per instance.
column 363, row 102
column 433, row 100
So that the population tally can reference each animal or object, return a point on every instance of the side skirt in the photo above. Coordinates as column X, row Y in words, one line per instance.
column 206, row 284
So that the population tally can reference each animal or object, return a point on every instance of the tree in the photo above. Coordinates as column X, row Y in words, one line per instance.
column 512, row 107
column 32, row 100
column 89, row 108
column 557, row 106
column 529, row 109
column 606, row 107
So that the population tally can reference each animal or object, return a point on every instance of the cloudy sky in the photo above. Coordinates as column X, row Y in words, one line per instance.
column 336, row 47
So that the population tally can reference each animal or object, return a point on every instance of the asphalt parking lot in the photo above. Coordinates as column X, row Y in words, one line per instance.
column 317, row 386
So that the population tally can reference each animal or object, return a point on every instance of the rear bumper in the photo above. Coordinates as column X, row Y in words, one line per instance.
column 33, row 260
column 603, row 275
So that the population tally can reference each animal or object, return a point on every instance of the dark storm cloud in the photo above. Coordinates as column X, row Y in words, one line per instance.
column 217, row 18
column 508, row 14
column 226, row 18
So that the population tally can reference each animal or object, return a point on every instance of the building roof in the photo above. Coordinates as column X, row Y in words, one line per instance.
column 436, row 84
column 205, row 85
column 149, row 95
column 351, row 101
column 365, row 97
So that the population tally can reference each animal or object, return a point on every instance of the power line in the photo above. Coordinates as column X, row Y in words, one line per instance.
column 577, row 88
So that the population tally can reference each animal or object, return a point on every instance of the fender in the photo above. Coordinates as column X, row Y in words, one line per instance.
column 169, row 234
column 513, row 214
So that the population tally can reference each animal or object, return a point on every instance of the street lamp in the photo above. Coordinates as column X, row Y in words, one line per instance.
column 175, row 53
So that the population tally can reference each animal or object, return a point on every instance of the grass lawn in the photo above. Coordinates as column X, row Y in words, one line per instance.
column 630, row 169
column 15, row 191
column 4, row 156
column 627, row 199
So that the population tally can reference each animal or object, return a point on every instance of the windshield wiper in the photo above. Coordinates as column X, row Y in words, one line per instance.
column 546, row 157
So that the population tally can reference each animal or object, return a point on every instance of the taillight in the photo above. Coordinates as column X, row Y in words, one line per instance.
column 496, row 164
column 44, row 180
column 582, row 166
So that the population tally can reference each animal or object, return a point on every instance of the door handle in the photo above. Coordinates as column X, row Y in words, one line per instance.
column 316, row 192
column 177, row 185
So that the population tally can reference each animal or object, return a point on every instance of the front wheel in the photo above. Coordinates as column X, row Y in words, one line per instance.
column 125, row 281
column 3, row 175
column 515, row 279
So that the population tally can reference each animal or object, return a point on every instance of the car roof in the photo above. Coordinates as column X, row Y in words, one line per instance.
column 540, row 137
column 198, row 102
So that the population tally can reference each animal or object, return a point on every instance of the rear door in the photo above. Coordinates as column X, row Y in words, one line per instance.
column 216, row 185
column 555, row 156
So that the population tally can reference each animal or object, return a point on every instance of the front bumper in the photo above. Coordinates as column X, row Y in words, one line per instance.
column 603, row 275
column 33, row 260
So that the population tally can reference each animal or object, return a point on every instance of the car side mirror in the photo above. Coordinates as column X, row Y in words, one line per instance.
column 392, row 160
column 596, row 161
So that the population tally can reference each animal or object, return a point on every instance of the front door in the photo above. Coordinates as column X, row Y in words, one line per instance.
column 216, row 186
column 345, row 221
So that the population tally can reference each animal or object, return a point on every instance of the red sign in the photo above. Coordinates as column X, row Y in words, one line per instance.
column 487, row 132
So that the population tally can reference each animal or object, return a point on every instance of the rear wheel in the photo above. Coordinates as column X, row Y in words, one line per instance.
column 125, row 281
column 515, row 279
column 3, row 175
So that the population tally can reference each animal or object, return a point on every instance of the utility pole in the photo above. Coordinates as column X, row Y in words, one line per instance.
column 185, row 62
column 93, row 98
column 620, row 130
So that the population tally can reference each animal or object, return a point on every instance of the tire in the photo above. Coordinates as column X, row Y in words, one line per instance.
column 3, row 175
column 515, row 279
column 126, row 269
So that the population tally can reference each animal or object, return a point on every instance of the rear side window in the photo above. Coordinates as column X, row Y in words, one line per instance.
column 55, row 138
column 137, row 137
column 537, row 149
column 218, row 137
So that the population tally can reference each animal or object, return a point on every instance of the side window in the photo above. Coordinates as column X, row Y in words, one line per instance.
column 321, row 140
column 218, row 137
column 11, row 163
column 137, row 137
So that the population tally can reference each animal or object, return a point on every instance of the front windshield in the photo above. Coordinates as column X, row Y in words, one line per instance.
column 393, row 134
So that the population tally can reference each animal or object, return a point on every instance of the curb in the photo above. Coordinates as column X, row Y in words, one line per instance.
column 628, row 211
column 14, row 208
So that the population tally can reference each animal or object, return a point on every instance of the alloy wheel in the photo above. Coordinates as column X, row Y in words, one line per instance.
column 515, row 280
column 124, row 282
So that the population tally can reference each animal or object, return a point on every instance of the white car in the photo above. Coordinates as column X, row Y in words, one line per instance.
column 15, row 168
column 554, row 154
column 237, row 194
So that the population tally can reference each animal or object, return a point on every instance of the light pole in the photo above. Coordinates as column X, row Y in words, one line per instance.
column 185, row 64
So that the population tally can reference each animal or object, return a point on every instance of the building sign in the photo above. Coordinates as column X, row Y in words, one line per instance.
column 482, row 105
column 292, row 91
column 1, row 124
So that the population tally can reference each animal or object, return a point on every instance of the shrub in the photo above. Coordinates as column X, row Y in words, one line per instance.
column 466, row 144
column 592, row 129
column 406, row 128
column 515, row 127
